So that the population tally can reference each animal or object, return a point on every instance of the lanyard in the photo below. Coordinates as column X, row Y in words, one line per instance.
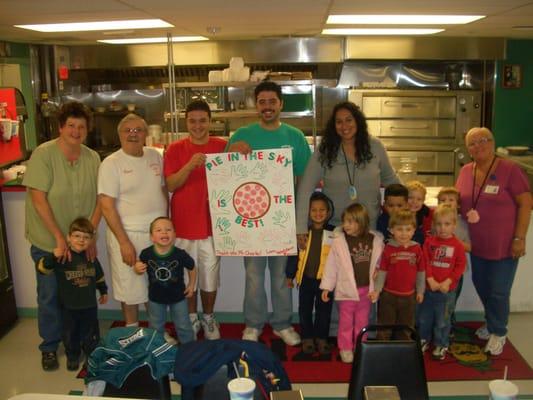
column 347, row 169
column 474, row 202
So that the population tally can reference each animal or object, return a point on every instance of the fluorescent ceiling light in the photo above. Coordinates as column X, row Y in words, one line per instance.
column 99, row 25
column 154, row 40
column 402, row 19
column 378, row 31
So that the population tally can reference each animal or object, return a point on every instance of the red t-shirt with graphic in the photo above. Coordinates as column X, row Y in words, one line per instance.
column 445, row 258
column 402, row 264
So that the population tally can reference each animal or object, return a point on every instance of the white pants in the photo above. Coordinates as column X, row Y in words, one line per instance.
column 202, row 252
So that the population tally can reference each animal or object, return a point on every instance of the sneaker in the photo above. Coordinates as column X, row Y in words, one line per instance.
column 210, row 327
column 483, row 333
column 289, row 336
column 73, row 364
column 424, row 345
column 308, row 346
column 439, row 353
column 196, row 326
column 346, row 356
column 169, row 339
column 495, row 345
column 250, row 333
column 49, row 361
column 324, row 348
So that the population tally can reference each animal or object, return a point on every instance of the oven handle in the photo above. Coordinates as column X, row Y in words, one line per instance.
column 423, row 127
column 401, row 104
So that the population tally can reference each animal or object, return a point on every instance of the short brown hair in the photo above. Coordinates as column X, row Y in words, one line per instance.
column 402, row 217
column 159, row 219
column 81, row 224
column 74, row 109
column 359, row 213
column 449, row 190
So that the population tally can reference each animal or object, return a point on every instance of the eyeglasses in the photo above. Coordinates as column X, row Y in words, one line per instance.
column 133, row 130
column 81, row 236
column 479, row 142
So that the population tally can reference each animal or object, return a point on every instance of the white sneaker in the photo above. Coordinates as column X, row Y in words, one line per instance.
column 424, row 345
column 250, row 333
column 196, row 326
column 210, row 327
column 482, row 332
column 169, row 339
column 495, row 345
column 289, row 336
column 346, row 356
column 439, row 353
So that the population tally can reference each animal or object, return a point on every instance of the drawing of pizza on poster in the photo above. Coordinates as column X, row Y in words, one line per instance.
column 251, row 199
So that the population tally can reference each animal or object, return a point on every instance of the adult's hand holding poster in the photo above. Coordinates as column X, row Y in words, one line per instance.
column 251, row 199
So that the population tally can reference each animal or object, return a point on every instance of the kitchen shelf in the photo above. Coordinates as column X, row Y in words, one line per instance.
column 236, row 84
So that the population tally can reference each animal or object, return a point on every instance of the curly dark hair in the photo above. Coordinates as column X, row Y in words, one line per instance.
column 331, row 141
column 75, row 109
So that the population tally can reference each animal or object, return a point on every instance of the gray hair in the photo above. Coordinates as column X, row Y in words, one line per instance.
column 131, row 117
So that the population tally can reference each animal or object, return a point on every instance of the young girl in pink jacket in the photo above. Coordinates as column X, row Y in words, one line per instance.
column 349, row 270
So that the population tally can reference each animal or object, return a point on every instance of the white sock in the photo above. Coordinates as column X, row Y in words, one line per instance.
column 133, row 324
column 193, row 316
column 209, row 316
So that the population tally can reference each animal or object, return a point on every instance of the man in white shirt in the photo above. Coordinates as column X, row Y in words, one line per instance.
column 132, row 193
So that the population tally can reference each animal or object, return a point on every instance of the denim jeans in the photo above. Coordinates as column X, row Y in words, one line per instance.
column 493, row 280
column 309, row 299
column 255, row 298
column 179, row 313
column 80, row 331
column 48, row 309
column 435, row 317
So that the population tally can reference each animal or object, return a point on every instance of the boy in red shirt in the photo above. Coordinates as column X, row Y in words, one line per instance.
column 445, row 264
column 401, row 276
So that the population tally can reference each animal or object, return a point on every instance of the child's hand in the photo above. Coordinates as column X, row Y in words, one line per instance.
column 325, row 296
column 445, row 286
column 433, row 284
column 139, row 267
column 373, row 296
column 103, row 299
column 189, row 291
column 419, row 298
column 290, row 283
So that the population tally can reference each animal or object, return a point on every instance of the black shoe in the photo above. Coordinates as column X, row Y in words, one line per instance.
column 73, row 364
column 49, row 361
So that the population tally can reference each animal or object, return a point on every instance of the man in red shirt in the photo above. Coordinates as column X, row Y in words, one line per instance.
column 189, row 209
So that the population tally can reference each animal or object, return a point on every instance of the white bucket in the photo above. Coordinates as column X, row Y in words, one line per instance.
column 241, row 389
column 502, row 390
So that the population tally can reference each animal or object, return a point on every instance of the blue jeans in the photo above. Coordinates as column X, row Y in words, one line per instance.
column 80, row 331
column 179, row 313
column 435, row 317
column 493, row 280
column 48, row 309
column 255, row 299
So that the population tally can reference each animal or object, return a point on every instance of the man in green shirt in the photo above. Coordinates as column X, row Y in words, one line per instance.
column 269, row 133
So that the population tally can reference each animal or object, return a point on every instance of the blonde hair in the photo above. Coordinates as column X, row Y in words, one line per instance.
column 449, row 190
column 360, row 215
column 402, row 217
column 416, row 185
column 443, row 210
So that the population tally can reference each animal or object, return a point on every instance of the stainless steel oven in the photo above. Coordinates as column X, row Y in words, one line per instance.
column 422, row 128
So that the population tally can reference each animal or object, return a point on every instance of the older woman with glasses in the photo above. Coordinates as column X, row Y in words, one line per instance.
column 496, row 202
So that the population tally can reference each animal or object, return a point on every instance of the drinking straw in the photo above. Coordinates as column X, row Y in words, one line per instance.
column 505, row 373
column 236, row 369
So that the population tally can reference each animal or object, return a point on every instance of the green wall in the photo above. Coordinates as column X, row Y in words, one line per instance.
column 513, row 108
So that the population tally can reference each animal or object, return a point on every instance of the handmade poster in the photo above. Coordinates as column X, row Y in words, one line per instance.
column 251, row 198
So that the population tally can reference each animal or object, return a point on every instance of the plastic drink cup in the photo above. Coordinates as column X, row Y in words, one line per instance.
column 501, row 389
column 241, row 389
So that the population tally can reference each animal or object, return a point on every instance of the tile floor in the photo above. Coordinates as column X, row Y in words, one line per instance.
column 21, row 371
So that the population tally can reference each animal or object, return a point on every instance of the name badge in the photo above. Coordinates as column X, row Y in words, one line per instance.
column 492, row 189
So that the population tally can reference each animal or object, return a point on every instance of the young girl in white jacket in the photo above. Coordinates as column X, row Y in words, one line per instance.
column 349, row 271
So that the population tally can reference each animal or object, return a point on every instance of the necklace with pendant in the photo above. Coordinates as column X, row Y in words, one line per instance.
column 472, row 216
column 352, row 191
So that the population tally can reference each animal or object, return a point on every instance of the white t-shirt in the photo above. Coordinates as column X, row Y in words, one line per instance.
column 135, row 184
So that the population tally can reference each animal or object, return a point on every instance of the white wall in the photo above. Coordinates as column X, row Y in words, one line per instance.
column 231, row 291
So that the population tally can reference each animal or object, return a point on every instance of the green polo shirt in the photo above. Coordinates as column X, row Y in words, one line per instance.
column 70, row 188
